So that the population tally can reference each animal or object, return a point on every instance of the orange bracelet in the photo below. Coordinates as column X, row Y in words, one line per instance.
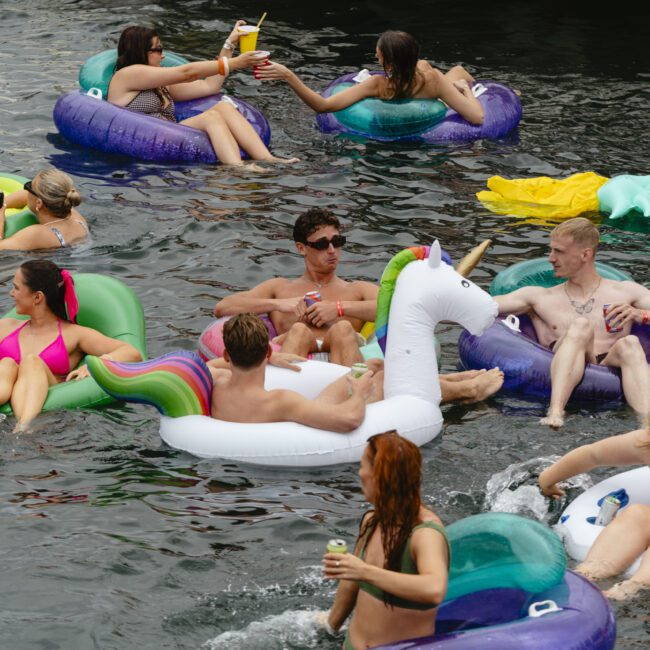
column 220, row 67
column 339, row 308
column 644, row 320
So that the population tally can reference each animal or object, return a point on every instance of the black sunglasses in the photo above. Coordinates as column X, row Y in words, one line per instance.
column 323, row 243
column 158, row 49
column 28, row 186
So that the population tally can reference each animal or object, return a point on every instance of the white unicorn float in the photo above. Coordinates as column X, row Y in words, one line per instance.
column 418, row 290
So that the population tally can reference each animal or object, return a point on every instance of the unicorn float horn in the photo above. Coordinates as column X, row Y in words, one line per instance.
column 471, row 260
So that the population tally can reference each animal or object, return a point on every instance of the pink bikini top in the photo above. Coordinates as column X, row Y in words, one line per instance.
column 55, row 355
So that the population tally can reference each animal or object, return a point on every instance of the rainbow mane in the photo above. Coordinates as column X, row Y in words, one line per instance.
column 178, row 383
column 387, row 287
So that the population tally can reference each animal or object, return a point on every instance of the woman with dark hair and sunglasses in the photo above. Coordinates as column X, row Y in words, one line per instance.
column 407, row 77
column 397, row 575
column 52, row 197
column 141, row 84
column 44, row 349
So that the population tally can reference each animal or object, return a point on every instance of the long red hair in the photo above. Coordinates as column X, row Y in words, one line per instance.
column 397, row 473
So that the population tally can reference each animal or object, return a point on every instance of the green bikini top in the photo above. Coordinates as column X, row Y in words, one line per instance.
column 407, row 565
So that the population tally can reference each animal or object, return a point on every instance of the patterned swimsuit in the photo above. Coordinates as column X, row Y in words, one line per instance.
column 150, row 103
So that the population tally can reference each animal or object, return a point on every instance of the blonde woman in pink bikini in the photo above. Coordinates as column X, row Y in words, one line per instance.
column 45, row 349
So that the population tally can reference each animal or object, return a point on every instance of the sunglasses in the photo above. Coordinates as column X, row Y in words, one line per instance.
column 323, row 243
column 28, row 186
column 158, row 49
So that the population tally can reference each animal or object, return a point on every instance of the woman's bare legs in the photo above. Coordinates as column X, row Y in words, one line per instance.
column 457, row 73
column 8, row 374
column 229, row 130
column 30, row 390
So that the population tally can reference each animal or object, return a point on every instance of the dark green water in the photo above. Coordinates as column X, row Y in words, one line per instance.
column 108, row 539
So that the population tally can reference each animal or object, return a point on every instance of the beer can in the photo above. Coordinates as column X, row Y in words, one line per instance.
column 337, row 546
column 608, row 327
column 311, row 297
column 358, row 369
column 608, row 510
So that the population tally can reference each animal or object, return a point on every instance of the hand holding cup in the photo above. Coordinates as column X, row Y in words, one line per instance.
column 271, row 71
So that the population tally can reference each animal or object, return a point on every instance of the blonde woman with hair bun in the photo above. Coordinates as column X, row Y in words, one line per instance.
column 52, row 197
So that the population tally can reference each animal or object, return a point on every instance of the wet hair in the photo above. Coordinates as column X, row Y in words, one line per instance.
column 45, row 276
column 246, row 340
column 397, row 473
column 133, row 46
column 581, row 230
column 310, row 221
column 57, row 191
column 400, row 53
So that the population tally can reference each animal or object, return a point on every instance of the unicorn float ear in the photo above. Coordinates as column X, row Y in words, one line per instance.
column 434, row 255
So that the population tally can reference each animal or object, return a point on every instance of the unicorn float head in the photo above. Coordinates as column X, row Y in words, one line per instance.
column 418, row 290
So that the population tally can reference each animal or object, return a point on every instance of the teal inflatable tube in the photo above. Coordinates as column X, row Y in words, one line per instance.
column 538, row 272
column 15, row 219
column 111, row 307
column 389, row 119
column 97, row 71
column 497, row 550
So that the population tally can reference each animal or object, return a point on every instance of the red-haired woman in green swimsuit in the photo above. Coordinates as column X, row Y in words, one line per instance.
column 397, row 575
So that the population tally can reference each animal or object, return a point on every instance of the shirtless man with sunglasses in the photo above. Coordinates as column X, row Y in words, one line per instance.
column 332, row 325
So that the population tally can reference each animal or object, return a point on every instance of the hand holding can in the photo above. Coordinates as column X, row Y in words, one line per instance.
column 312, row 297
column 608, row 327
column 337, row 546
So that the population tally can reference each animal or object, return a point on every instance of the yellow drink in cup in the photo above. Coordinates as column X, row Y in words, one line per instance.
column 248, row 37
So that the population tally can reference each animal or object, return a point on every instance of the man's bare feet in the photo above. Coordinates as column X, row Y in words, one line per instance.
column 625, row 589
column 553, row 420
column 483, row 385
column 463, row 375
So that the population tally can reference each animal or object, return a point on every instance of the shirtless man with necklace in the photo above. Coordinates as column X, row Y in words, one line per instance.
column 568, row 319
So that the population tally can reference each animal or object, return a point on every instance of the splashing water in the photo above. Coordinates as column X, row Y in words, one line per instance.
column 515, row 489
column 291, row 629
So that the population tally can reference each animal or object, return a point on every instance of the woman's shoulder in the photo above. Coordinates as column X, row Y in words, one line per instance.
column 8, row 326
column 428, row 516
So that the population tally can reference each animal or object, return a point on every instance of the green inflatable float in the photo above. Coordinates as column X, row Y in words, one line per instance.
column 15, row 220
column 110, row 307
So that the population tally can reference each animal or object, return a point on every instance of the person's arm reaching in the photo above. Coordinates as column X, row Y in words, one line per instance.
column 337, row 102
column 626, row 449
column 342, row 417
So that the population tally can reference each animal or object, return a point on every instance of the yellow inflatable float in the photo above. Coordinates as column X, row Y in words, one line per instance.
column 550, row 198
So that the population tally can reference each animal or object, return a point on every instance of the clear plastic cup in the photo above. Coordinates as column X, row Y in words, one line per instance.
column 248, row 37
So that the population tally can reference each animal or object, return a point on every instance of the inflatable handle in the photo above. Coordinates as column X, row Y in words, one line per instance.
column 542, row 608
column 512, row 322
column 478, row 89
column 95, row 93
column 362, row 75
